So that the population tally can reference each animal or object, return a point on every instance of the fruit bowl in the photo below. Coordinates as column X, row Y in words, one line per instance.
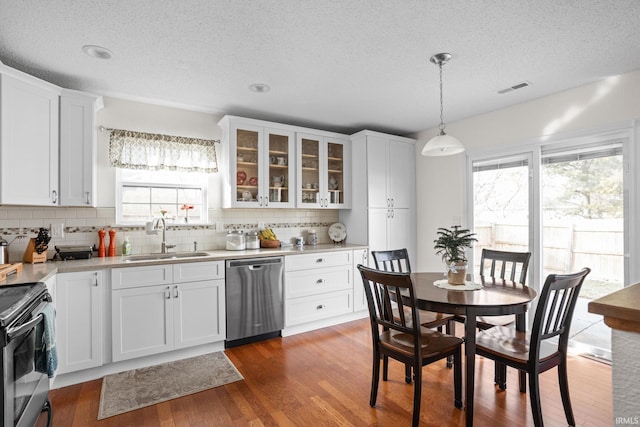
column 269, row 243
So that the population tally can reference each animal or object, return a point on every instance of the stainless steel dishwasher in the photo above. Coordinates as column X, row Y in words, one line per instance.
column 254, row 299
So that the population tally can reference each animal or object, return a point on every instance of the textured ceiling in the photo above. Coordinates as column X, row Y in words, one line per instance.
column 333, row 64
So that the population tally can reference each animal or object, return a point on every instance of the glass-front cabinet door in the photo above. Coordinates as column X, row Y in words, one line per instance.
column 322, row 176
column 279, row 175
column 247, row 165
column 261, row 166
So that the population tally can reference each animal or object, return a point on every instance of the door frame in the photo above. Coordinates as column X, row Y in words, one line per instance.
column 627, row 131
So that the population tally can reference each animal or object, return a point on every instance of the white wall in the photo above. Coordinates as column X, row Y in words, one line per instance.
column 440, row 180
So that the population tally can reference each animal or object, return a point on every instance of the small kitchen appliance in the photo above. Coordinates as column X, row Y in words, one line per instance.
column 65, row 252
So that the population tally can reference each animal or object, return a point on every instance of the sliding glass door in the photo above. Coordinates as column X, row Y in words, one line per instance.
column 501, row 193
column 564, row 202
column 583, row 226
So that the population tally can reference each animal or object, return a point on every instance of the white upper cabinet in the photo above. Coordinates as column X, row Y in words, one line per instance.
column 324, row 177
column 383, row 209
column 78, row 148
column 261, row 162
column 28, row 139
column 273, row 165
column 391, row 172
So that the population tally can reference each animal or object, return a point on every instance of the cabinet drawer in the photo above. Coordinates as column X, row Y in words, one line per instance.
column 317, row 260
column 308, row 309
column 196, row 271
column 133, row 277
column 317, row 281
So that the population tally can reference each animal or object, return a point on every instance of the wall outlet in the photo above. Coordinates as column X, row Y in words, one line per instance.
column 57, row 230
column 260, row 225
column 219, row 226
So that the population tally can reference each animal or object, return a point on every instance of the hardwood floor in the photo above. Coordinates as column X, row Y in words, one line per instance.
column 323, row 378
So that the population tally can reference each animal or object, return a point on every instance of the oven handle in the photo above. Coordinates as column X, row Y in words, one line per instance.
column 16, row 332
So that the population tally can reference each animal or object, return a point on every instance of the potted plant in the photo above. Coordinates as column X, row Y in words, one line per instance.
column 451, row 245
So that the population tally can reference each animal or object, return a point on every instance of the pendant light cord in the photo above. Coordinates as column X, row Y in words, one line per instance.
column 442, row 126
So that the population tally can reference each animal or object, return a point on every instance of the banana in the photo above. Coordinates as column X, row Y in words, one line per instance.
column 267, row 234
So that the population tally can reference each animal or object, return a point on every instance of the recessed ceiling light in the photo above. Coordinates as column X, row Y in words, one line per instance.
column 259, row 87
column 97, row 51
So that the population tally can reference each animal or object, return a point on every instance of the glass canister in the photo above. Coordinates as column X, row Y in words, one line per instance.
column 312, row 238
column 253, row 241
column 236, row 240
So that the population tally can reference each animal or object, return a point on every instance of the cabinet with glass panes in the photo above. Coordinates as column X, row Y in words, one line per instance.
column 261, row 163
column 323, row 178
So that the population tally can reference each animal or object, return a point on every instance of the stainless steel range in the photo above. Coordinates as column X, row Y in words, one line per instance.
column 25, row 389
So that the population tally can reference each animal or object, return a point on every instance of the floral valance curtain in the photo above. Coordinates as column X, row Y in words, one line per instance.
column 148, row 151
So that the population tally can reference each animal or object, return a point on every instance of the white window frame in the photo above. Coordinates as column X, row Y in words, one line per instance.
column 200, row 183
column 628, row 132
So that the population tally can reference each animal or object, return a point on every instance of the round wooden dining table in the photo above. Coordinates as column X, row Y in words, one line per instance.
column 496, row 298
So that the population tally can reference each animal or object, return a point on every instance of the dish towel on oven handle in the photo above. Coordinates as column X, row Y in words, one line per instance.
column 46, row 356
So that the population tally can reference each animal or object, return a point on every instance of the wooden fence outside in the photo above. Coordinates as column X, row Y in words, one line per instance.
column 567, row 247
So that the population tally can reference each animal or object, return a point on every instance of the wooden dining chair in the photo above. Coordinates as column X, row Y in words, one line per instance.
column 513, row 267
column 536, row 352
column 397, row 260
column 402, row 337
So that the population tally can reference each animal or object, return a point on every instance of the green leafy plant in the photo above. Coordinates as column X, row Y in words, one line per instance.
column 451, row 243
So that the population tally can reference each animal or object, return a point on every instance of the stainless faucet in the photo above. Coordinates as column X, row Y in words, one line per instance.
column 163, row 245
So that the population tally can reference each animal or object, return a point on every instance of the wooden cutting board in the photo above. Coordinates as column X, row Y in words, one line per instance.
column 8, row 269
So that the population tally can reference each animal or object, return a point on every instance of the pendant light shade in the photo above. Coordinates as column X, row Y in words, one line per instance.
column 443, row 144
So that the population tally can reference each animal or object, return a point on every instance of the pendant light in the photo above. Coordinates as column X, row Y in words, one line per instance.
column 443, row 144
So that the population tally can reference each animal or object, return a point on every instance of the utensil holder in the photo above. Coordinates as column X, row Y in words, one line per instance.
column 30, row 254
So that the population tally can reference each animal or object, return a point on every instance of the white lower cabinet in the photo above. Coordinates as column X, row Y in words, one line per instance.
column 78, row 301
column 360, row 256
column 318, row 286
column 186, row 308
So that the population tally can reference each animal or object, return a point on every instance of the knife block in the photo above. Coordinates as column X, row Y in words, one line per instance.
column 30, row 254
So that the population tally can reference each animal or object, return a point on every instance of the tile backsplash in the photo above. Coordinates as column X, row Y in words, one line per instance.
column 81, row 226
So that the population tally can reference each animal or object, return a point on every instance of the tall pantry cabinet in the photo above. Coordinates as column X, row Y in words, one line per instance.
column 383, row 214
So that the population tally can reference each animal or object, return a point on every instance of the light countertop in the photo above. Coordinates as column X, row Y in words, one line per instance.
column 621, row 309
column 43, row 271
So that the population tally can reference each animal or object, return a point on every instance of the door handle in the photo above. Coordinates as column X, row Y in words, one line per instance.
column 54, row 196
column 96, row 282
column 175, row 294
column 167, row 293
column 88, row 201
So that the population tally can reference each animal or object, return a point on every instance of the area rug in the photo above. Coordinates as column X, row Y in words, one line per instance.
column 142, row 387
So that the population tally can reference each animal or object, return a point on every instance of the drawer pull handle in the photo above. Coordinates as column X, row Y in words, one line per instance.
column 319, row 281
column 320, row 307
column 320, row 260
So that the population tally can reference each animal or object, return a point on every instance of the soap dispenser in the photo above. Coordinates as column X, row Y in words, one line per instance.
column 126, row 247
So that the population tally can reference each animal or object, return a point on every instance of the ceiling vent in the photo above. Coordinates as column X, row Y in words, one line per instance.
column 515, row 87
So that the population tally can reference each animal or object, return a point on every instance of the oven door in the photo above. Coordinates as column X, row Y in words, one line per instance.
column 25, row 389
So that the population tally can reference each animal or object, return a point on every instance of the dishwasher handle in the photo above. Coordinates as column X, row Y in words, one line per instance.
column 253, row 263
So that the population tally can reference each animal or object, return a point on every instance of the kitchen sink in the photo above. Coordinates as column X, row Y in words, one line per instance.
column 169, row 255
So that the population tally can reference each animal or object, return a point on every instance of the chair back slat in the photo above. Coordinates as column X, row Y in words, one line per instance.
column 555, row 310
column 395, row 260
column 511, row 266
column 381, row 288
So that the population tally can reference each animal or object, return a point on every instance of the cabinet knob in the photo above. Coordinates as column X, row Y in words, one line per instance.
column 319, row 281
column 319, row 260
column 320, row 307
